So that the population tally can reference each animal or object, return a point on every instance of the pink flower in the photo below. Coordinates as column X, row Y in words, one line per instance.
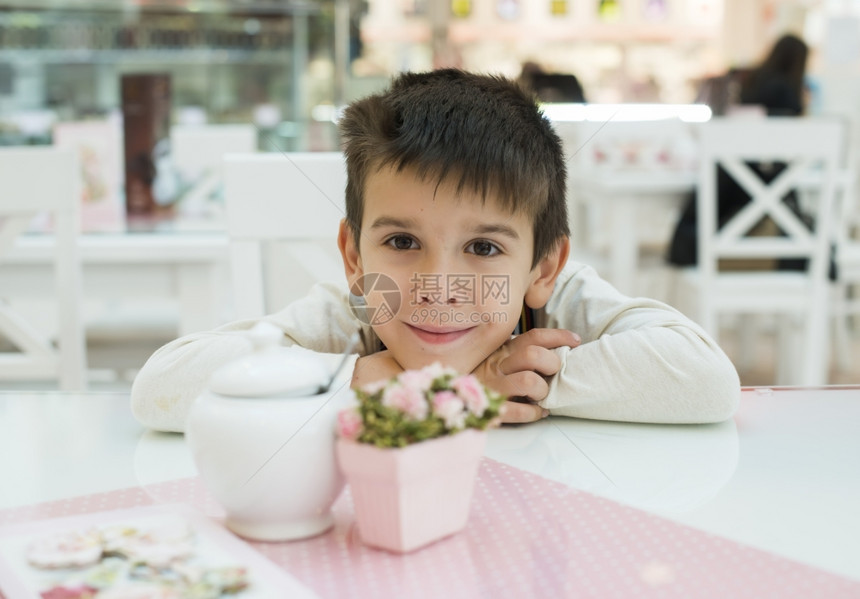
column 470, row 389
column 349, row 425
column 419, row 380
column 423, row 378
column 408, row 400
column 450, row 408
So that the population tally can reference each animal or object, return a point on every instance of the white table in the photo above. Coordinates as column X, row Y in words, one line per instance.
column 781, row 476
column 188, row 267
column 626, row 197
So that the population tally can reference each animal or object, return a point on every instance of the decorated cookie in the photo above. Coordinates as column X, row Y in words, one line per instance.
column 70, row 549
column 229, row 580
column 156, row 547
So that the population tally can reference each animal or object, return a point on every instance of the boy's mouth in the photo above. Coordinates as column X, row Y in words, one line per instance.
column 438, row 335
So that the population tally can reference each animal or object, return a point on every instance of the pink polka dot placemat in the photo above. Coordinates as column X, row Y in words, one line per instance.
column 527, row 537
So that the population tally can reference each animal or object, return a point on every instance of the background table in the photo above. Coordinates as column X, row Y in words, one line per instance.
column 629, row 204
column 781, row 476
column 185, row 267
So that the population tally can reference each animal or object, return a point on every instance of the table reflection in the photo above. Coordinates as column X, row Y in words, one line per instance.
column 673, row 468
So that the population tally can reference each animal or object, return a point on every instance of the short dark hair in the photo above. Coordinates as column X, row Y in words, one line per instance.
column 484, row 131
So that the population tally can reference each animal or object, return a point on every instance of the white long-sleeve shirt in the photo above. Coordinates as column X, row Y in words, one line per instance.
column 639, row 361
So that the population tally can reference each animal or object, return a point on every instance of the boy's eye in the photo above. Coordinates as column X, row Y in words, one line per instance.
column 402, row 242
column 483, row 247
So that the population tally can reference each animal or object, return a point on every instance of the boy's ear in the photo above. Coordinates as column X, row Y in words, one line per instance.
column 545, row 273
column 348, row 247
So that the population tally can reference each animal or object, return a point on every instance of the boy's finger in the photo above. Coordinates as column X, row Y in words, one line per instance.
column 513, row 412
column 549, row 338
column 524, row 383
column 530, row 357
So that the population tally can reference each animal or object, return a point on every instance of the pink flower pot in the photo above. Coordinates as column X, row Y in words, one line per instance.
column 408, row 497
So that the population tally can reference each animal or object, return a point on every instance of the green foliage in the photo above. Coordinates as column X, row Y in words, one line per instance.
column 387, row 426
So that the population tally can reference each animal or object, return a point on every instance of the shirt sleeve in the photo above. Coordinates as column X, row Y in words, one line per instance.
column 178, row 372
column 640, row 360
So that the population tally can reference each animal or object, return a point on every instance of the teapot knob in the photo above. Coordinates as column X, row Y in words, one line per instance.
column 264, row 335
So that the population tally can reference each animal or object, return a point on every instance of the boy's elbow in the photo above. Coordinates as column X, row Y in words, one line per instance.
column 719, row 389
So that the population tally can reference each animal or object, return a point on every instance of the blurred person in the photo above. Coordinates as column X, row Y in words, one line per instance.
column 777, row 86
column 551, row 87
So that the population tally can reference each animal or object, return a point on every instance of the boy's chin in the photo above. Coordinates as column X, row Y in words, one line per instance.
column 417, row 362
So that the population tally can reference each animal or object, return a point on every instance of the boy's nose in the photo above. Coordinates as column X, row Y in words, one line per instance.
column 436, row 299
column 432, row 289
column 440, row 280
column 433, row 286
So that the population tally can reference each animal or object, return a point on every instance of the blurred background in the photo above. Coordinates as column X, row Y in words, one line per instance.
column 287, row 65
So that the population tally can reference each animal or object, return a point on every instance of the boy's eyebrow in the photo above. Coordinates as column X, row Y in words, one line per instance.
column 500, row 229
column 390, row 221
column 482, row 229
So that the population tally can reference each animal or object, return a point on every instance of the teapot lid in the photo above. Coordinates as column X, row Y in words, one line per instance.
column 271, row 369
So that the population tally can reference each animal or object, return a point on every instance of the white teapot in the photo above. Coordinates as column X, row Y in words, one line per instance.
column 263, row 437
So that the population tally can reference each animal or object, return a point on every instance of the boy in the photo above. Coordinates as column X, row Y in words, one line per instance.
column 455, row 247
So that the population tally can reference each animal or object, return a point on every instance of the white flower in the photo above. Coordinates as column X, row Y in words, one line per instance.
column 409, row 400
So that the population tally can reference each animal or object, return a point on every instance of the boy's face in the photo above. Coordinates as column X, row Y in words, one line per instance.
column 462, row 269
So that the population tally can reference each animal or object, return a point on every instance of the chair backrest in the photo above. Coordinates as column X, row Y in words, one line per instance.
column 34, row 180
column 295, row 198
column 803, row 155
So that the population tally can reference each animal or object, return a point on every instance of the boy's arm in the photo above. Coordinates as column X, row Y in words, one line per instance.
column 178, row 372
column 640, row 360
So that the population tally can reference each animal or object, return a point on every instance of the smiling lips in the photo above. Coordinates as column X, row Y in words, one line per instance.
column 438, row 335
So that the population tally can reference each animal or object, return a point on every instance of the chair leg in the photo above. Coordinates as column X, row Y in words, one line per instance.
column 841, row 325
column 681, row 294
column 748, row 332
column 815, row 357
column 786, row 354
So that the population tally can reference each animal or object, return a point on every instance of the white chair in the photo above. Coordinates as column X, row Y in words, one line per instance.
column 811, row 150
column 35, row 180
column 293, row 198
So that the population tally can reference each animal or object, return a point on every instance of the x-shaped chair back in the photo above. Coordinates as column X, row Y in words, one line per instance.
column 809, row 151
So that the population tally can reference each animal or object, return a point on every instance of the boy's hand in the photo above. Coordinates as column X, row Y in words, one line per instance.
column 520, row 368
column 374, row 367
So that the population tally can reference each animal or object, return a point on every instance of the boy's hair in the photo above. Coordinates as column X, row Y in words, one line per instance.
column 484, row 132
